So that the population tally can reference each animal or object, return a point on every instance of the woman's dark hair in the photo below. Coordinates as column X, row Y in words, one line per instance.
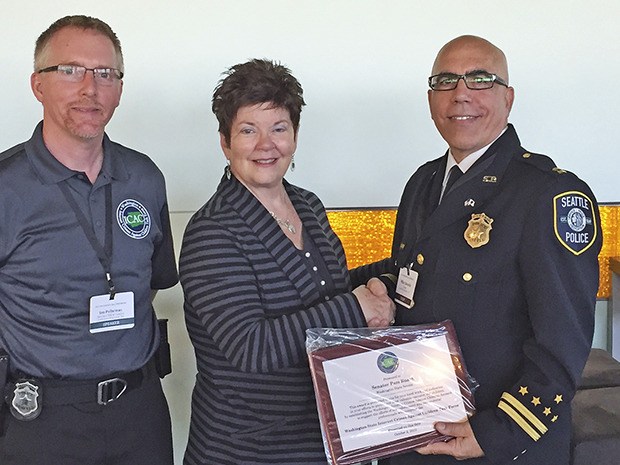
column 252, row 83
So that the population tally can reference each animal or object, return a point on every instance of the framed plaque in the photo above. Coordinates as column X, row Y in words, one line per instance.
column 379, row 392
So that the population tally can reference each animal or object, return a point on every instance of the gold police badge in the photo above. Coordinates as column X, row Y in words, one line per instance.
column 478, row 230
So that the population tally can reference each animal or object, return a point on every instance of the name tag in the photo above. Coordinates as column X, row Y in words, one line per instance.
column 405, row 287
column 111, row 314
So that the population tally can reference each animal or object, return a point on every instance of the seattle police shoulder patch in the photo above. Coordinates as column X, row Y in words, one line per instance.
column 133, row 219
column 574, row 221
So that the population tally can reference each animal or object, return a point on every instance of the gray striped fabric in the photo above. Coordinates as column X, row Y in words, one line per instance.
column 248, row 300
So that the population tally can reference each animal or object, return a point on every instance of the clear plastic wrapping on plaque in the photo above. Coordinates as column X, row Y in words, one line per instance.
column 380, row 391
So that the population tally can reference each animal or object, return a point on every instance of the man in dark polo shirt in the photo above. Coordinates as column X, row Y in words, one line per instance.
column 84, row 240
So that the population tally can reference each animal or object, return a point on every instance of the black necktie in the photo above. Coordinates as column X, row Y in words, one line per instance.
column 453, row 176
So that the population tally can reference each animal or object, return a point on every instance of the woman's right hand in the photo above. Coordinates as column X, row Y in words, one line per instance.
column 376, row 305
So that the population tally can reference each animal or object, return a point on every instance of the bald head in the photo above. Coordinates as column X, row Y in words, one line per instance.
column 472, row 46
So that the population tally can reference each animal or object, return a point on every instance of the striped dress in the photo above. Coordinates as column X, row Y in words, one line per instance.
column 249, row 297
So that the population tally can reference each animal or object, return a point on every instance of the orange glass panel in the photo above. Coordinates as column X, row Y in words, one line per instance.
column 610, row 224
column 366, row 235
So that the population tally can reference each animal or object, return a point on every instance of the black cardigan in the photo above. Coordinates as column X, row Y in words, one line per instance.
column 248, row 301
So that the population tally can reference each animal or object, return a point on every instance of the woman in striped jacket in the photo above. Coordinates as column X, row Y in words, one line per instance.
column 260, row 265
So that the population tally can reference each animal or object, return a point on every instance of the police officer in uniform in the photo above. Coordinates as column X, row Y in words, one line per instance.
column 84, row 241
column 505, row 244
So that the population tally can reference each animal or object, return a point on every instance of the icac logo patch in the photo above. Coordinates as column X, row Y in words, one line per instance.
column 574, row 221
column 133, row 219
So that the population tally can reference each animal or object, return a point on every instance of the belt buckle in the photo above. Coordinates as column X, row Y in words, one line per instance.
column 110, row 390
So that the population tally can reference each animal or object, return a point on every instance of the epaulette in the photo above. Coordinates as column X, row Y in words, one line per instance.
column 542, row 162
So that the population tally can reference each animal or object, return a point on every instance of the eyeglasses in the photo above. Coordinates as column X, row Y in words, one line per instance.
column 476, row 80
column 75, row 73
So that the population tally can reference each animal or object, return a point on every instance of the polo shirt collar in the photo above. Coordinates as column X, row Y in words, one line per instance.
column 51, row 171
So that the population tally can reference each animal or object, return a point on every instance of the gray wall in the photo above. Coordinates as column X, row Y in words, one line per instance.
column 363, row 65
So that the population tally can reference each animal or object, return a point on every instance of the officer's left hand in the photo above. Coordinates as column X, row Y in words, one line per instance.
column 463, row 445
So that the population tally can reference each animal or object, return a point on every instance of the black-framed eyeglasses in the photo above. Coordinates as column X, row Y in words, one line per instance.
column 476, row 80
column 76, row 73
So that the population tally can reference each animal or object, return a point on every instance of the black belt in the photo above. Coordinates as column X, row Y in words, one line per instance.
column 104, row 391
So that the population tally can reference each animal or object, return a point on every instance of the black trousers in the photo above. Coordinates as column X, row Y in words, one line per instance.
column 133, row 430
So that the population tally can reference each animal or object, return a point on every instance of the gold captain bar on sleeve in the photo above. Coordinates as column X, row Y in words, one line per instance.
column 366, row 234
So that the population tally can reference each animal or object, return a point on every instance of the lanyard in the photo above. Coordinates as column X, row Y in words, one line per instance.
column 104, row 254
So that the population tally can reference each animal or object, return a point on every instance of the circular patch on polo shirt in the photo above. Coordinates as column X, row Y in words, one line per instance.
column 133, row 219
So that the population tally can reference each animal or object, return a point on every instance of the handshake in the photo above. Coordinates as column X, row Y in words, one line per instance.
column 378, row 308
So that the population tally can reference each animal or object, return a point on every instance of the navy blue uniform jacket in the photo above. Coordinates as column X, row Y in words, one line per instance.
column 522, row 304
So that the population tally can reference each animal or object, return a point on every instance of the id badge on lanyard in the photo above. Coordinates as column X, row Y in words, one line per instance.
column 108, row 314
column 405, row 287
column 115, row 310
